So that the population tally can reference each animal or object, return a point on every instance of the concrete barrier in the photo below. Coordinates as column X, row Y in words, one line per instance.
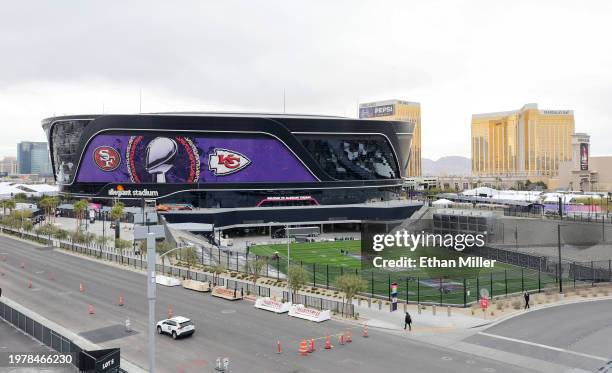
column 196, row 285
column 229, row 294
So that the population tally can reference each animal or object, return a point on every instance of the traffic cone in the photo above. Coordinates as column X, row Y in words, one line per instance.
column 303, row 348
column 81, row 287
column 1, row 273
column 120, row 302
column 328, row 345
column 311, row 348
column 278, row 350
column 365, row 331
column 51, row 276
column 348, row 336
column 341, row 339
column 170, row 312
column 90, row 309
column 22, row 265
column 30, row 284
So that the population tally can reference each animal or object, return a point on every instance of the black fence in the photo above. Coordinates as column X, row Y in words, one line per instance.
column 578, row 216
column 344, row 309
column 44, row 335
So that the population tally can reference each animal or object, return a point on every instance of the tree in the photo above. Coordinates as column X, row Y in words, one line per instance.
column 80, row 207
column 116, row 212
column 48, row 205
column 297, row 278
column 9, row 204
column 255, row 268
column 161, row 247
column 350, row 284
column 217, row 270
column 190, row 256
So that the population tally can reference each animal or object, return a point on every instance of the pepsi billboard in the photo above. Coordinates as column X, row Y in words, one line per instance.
column 376, row 111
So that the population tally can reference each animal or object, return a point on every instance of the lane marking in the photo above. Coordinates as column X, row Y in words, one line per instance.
column 545, row 346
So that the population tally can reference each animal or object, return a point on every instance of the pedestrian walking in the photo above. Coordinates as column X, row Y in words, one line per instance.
column 408, row 322
column 526, row 296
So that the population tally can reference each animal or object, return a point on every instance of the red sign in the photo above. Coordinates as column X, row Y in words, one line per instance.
column 107, row 158
column 484, row 302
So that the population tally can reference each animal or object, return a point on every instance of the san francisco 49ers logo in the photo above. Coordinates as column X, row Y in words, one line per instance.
column 224, row 162
column 107, row 158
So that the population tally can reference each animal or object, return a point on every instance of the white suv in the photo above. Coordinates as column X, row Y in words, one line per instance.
column 177, row 326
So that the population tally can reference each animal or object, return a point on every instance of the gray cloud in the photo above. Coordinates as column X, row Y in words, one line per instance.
column 455, row 57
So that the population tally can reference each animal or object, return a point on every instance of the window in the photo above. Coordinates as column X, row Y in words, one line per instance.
column 352, row 157
column 65, row 139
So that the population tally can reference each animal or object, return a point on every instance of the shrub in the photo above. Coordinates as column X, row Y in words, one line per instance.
column 516, row 304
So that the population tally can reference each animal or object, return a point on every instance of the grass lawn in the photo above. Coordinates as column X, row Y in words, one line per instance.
column 324, row 262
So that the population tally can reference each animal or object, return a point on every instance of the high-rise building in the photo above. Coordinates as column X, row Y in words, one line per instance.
column 523, row 143
column 399, row 110
column 33, row 158
column 8, row 166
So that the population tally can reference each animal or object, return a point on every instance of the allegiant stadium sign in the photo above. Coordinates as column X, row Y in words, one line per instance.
column 120, row 192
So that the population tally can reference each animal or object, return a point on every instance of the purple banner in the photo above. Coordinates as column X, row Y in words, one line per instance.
column 182, row 159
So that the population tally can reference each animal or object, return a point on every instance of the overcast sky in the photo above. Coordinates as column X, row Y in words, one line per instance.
column 454, row 57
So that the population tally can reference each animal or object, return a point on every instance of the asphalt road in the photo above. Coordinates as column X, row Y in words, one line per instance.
column 576, row 335
column 236, row 330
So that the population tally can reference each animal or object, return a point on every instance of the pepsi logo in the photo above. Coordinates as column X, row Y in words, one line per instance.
column 224, row 162
column 107, row 158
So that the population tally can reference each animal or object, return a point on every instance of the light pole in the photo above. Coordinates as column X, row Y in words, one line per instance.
column 559, row 251
column 151, row 292
column 288, row 262
column 151, row 297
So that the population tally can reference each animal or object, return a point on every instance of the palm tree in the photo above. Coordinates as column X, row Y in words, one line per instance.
column 9, row 204
column 80, row 207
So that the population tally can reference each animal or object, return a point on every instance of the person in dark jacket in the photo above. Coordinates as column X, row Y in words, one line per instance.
column 408, row 322
column 526, row 296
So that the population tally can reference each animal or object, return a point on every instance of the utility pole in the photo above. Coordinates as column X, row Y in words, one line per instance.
column 288, row 262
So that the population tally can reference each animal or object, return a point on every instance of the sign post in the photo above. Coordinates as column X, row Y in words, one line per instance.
column 394, row 297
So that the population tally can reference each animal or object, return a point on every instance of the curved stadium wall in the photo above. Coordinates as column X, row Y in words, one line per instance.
column 229, row 160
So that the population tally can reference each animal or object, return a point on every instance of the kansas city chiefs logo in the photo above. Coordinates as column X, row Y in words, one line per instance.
column 224, row 162
column 107, row 158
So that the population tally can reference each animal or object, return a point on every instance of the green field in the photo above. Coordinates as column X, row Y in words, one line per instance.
column 324, row 262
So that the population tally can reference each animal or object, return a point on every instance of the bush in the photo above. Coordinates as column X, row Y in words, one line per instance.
column 516, row 304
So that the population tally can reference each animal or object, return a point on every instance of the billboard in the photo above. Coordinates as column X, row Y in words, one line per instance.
column 376, row 111
column 584, row 156
column 170, row 159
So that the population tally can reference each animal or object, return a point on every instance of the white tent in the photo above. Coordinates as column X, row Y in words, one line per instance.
column 442, row 202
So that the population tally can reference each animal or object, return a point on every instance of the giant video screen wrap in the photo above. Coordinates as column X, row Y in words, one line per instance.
column 190, row 159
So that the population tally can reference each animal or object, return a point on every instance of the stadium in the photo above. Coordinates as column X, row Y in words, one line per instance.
column 236, row 169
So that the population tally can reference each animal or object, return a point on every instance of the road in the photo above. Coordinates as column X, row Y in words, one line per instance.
column 229, row 329
column 577, row 335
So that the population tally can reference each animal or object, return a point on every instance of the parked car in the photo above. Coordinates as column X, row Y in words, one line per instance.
column 177, row 326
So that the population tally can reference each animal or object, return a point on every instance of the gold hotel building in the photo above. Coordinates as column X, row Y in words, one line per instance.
column 521, row 143
column 404, row 111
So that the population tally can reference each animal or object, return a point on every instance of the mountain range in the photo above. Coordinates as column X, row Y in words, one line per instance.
column 453, row 165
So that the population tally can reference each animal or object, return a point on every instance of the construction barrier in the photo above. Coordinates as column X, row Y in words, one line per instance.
column 167, row 281
column 312, row 314
column 196, row 285
column 270, row 304
column 229, row 294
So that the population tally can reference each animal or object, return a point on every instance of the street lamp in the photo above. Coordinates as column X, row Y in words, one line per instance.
column 151, row 292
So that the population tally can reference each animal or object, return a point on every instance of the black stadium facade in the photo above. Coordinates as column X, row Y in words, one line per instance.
column 236, row 169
